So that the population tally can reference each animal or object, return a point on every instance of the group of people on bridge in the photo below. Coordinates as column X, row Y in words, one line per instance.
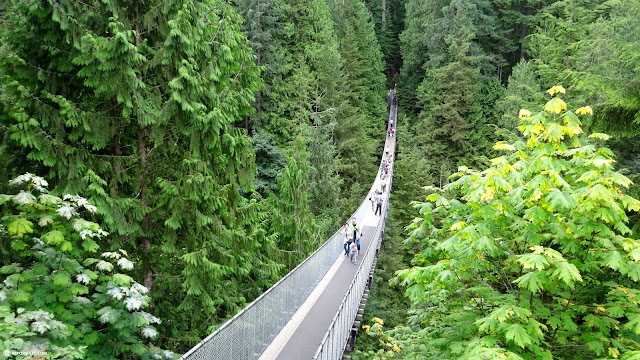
column 351, row 230
column 393, row 100
column 352, row 235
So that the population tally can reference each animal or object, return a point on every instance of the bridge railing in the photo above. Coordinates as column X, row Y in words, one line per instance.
column 335, row 339
column 249, row 333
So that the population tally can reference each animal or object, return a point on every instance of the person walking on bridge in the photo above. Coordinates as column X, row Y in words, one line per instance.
column 357, row 233
column 372, row 199
column 353, row 253
column 346, row 231
column 378, row 211
column 394, row 93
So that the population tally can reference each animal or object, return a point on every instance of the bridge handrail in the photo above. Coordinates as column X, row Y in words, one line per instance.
column 244, row 342
column 335, row 339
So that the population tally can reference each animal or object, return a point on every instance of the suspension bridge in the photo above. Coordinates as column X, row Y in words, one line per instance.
column 313, row 312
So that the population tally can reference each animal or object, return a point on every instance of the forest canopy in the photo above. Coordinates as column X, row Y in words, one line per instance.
column 165, row 162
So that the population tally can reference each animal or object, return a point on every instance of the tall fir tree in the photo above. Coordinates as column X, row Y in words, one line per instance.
column 562, row 25
column 424, row 42
column 292, row 217
column 134, row 103
column 523, row 92
column 453, row 114
column 360, row 114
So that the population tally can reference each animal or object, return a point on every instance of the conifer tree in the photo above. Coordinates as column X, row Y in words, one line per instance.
column 293, row 220
column 308, row 95
column 424, row 41
column 142, row 97
column 264, row 25
column 523, row 92
column 554, row 44
column 360, row 114
column 450, row 119
column 607, row 68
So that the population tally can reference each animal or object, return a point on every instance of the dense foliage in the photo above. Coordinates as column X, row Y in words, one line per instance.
column 531, row 256
column 221, row 142
column 58, row 295
column 502, row 54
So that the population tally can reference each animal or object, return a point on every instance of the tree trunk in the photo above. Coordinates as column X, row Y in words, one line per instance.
column 142, row 153
column 567, row 62
column 384, row 15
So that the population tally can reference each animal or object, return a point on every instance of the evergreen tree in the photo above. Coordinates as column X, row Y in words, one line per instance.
column 270, row 160
column 264, row 25
column 607, row 68
column 293, row 220
column 449, row 122
column 523, row 92
column 360, row 114
column 389, row 32
column 519, row 18
column 429, row 24
column 143, row 97
column 555, row 41
column 422, row 42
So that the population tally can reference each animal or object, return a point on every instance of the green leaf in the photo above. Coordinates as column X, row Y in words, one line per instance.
column 53, row 237
column 66, row 246
column 532, row 281
column 614, row 260
column 5, row 198
column 596, row 346
column 19, row 227
column 558, row 200
column 61, row 278
column 50, row 200
column 587, row 176
column 634, row 323
column 634, row 271
column 567, row 272
column 90, row 245
column 121, row 279
column 554, row 132
column 605, row 214
column 533, row 261
column 630, row 203
column 518, row 335
column 18, row 245
column 21, row 296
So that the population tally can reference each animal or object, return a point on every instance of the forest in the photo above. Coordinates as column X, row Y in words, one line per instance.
column 164, row 162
